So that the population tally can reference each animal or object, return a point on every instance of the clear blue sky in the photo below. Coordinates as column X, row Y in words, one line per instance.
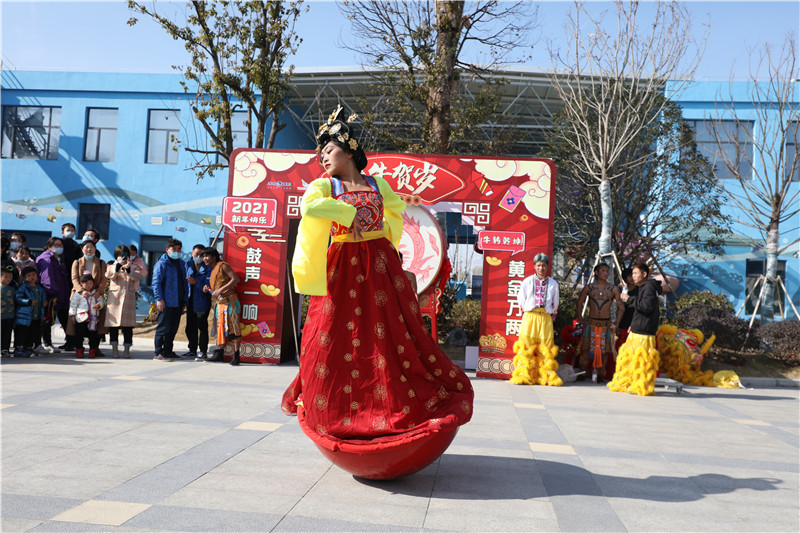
column 94, row 36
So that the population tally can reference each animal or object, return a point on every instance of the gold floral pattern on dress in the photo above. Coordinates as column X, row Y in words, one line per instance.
column 429, row 376
column 465, row 406
column 320, row 402
column 437, row 372
column 380, row 392
column 411, row 393
column 399, row 283
column 452, row 374
column 328, row 307
column 408, row 336
column 346, row 421
column 380, row 297
column 354, row 261
column 414, row 307
column 322, row 430
column 401, row 348
column 356, row 343
column 360, row 278
column 347, row 389
column 432, row 358
column 406, row 409
column 380, row 362
column 353, row 293
column 406, row 364
column 354, row 374
column 324, row 339
column 379, row 423
column 348, row 357
column 460, row 386
column 350, row 325
column 380, row 330
column 333, row 273
column 403, row 379
column 357, row 311
column 401, row 318
column 380, row 264
column 353, row 405
column 321, row 370
column 430, row 405
column 443, row 394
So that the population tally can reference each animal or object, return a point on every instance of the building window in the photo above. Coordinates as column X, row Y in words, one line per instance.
column 755, row 268
column 31, row 132
column 162, row 136
column 101, row 134
column 94, row 216
column 792, row 161
column 729, row 143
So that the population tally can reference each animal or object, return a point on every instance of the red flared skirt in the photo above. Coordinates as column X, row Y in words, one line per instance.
column 369, row 369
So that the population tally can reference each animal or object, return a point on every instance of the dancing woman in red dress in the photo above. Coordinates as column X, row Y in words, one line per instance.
column 369, row 370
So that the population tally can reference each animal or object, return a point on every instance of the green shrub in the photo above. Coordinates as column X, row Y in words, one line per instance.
column 718, row 301
column 731, row 331
column 781, row 341
column 466, row 314
column 567, row 306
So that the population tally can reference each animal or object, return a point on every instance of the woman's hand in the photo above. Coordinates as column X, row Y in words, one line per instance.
column 356, row 231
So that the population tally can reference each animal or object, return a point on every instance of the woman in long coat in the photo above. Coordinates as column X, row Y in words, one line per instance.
column 123, row 276
column 89, row 263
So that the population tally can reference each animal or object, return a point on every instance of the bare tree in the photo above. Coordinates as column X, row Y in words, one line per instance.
column 757, row 152
column 419, row 49
column 613, row 79
column 238, row 63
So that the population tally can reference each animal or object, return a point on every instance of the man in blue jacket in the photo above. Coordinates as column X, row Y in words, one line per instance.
column 171, row 291
column 197, row 310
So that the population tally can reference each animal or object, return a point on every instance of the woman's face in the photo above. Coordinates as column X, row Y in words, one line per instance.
column 335, row 160
column 88, row 248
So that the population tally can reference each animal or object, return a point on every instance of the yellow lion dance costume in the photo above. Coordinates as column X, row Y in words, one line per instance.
column 637, row 366
column 682, row 353
column 535, row 360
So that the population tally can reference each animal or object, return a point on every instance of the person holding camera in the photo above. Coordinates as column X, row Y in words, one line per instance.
column 123, row 276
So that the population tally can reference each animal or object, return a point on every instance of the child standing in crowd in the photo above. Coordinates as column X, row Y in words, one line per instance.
column 121, row 310
column 53, row 277
column 8, row 311
column 199, row 305
column 22, row 258
column 30, row 299
column 84, row 309
column 138, row 262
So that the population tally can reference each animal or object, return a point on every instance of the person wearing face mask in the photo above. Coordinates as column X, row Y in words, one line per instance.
column 171, row 291
column 94, row 236
column 53, row 277
column 89, row 263
column 17, row 240
column 199, row 305
column 6, row 263
column 121, row 306
column 72, row 249
column 23, row 259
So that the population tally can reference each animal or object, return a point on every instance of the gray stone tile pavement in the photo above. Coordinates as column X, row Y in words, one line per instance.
column 143, row 445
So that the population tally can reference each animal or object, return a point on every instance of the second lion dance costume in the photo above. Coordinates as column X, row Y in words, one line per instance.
column 369, row 369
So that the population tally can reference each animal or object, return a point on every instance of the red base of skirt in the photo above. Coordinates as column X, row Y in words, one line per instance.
column 385, row 459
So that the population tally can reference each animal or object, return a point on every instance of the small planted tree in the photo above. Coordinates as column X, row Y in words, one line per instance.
column 238, row 71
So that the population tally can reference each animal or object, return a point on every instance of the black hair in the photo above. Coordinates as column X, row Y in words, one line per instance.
column 213, row 252
column 52, row 240
column 97, row 235
column 199, row 247
column 28, row 270
column 67, row 225
column 627, row 271
column 122, row 251
column 172, row 243
column 340, row 132
column 133, row 248
column 84, row 243
column 642, row 268
column 599, row 266
column 20, row 235
column 22, row 247
column 85, row 278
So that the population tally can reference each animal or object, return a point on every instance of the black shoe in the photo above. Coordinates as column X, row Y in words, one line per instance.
column 173, row 355
column 217, row 355
column 234, row 361
column 190, row 353
column 66, row 348
column 201, row 357
column 98, row 353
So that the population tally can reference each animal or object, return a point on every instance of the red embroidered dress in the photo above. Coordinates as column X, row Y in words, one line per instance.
column 369, row 370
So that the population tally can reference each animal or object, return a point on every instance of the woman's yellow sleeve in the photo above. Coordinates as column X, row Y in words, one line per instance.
column 393, row 207
column 310, row 251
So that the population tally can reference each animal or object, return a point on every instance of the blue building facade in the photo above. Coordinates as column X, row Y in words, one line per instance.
column 99, row 150
column 735, row 272
column 104, row 151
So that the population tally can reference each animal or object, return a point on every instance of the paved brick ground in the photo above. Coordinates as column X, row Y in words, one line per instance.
column 143, row 445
